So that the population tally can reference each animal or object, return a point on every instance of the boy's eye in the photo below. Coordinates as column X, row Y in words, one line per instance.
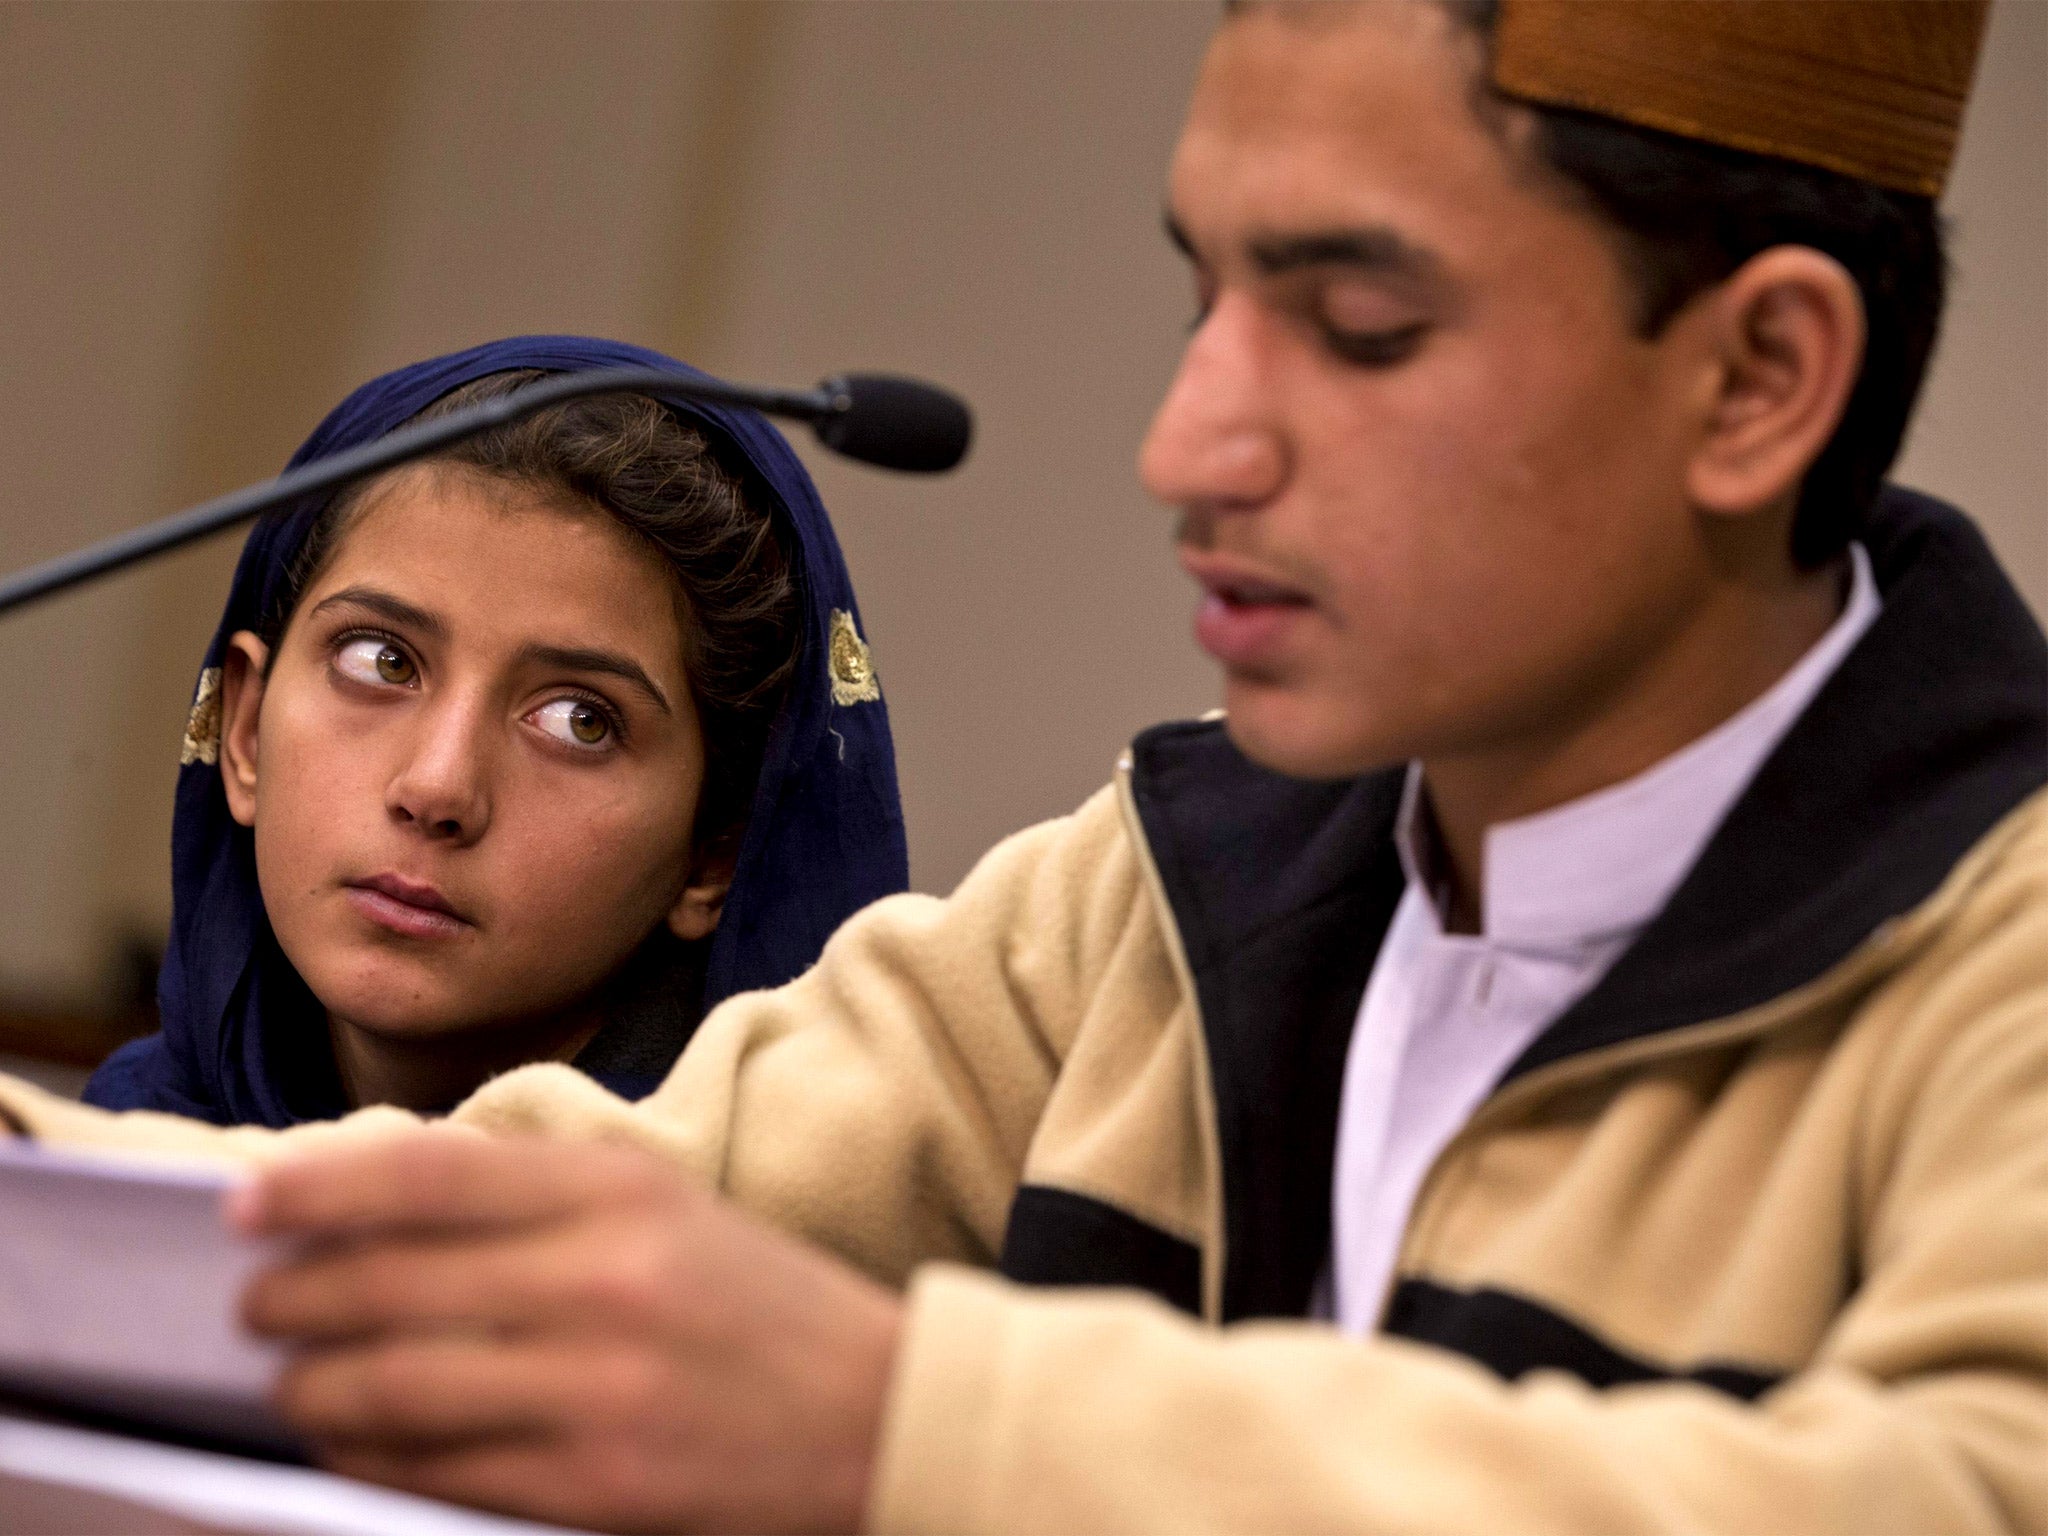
column 575, row 721
column 370, row 660
column 1377, row 349
column 1365, row 325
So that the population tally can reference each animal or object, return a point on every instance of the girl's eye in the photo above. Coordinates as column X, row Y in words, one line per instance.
column 578, row 722
column 370, row 660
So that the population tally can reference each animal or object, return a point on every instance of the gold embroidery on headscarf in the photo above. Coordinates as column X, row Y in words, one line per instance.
column 852, row 663
column 202, row 726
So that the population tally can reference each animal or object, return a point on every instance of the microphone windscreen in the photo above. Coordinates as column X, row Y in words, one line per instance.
column 896, row 422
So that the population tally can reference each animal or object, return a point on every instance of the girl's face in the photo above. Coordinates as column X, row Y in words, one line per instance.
column 473, row 764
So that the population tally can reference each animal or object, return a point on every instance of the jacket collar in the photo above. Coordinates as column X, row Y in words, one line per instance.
column 1281, row 892
column 1578, row 882
column 1933, row 728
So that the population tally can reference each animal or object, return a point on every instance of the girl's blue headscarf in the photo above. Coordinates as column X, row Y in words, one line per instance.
column 824, row 838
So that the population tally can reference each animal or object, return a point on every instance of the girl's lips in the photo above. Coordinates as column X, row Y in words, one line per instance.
column 416, row 912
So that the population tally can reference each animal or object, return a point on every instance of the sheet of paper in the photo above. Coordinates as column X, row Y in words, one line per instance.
column 205, row 1491
column 118, row 1288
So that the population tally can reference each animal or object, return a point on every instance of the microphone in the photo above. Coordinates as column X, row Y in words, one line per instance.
column 883, row 418
column 878, row 418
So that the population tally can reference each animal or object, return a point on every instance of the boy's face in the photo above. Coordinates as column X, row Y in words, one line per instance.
column 1432, row 481
column 476, row 760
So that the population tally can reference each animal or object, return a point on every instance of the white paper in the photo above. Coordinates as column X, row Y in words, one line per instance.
column 229, row 1492
column 119, row 1284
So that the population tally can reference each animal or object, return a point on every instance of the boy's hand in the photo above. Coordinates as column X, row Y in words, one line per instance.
column 568, row 1331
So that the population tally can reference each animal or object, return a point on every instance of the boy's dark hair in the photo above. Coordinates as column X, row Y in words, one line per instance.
column 1687, row 214
column 734, row 571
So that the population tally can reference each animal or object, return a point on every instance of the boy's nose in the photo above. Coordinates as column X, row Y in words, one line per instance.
column 1213, row 444
column 443, row 786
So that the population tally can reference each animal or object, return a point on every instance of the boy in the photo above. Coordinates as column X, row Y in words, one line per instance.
column 1600, row 966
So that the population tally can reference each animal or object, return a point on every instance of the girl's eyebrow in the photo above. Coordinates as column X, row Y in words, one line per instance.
column 384, row 605
column 569, row 658
column 580, row 659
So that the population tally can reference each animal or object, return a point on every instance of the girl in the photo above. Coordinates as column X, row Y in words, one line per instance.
column 531, row 751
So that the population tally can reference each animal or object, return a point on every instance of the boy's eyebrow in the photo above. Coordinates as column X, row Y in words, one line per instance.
column 1367, row 248
column 1372, row 248
column 383, row 604
column 571, row 658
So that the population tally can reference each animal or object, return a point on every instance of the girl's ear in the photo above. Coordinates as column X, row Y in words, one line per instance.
column 696, row 912
column 242, row 667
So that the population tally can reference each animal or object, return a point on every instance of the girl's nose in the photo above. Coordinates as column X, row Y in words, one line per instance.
column 443, row 786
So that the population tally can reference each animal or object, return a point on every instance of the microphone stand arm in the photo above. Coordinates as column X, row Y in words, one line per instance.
column 407, row 443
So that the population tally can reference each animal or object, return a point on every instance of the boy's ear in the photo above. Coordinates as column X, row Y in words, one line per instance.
column 696, row 912
column 1785, row 335
column 242, row 667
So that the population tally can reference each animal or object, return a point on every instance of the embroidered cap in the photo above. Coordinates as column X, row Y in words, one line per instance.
column 1873, row 89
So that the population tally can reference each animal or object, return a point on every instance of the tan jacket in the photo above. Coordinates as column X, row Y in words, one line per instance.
column 1755, row 1238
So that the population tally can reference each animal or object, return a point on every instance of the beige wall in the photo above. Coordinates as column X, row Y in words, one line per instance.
column 216, row 219
column 1981, row 435
column 973, row 192
column 115, row 131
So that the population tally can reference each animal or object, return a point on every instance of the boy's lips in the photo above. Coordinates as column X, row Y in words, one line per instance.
column 1244, row 616
column 409, row 907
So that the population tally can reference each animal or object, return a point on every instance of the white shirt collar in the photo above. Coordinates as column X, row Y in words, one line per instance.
column 1600, row 867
